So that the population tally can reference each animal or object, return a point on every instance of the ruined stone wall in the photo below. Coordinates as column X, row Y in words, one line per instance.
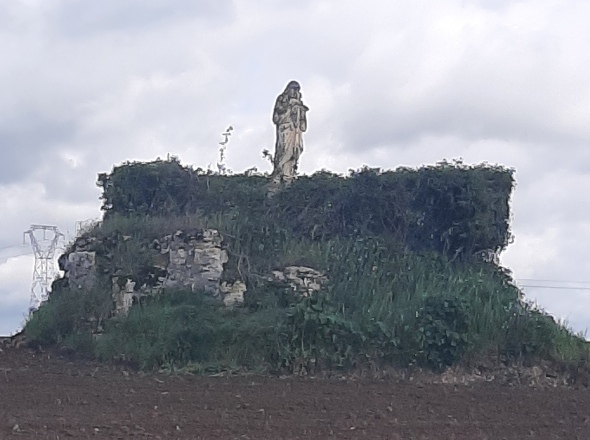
column 303, row 280
column 185, row 260
column 80, row 268
column 194, row 260
column 191, row 260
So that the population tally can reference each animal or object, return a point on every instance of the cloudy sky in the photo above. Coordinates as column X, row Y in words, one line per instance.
column 88, row 85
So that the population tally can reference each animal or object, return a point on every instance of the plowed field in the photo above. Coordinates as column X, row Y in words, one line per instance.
column 46, row 396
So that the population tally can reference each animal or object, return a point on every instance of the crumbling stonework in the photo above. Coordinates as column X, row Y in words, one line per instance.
column 192, row 259
column 232, row 293
column 303, row 280
column 79, row 268
column 195, row 260
column 185, row 260
column 123, row 296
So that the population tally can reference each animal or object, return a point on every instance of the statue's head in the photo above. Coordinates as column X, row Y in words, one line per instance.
column 293, row 89
column 293, row 85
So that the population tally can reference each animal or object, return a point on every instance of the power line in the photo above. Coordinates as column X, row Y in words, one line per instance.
column 555, row 287
column 553, row 281
column 10, row 247
column 17, row 255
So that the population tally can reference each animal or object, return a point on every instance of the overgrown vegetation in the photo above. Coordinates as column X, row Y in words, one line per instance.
column 450, row 208
column 402, row 251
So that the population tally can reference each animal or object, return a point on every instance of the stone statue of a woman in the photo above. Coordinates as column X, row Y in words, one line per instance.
column 290, row 120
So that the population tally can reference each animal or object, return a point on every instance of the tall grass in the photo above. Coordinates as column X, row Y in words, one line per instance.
column 143, row 227
column 371, row 283
column 181, row 328
column 70, row 318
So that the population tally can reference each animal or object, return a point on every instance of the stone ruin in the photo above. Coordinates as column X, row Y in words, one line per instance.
column 185, row 260
column 304, row 281
column 191, row 260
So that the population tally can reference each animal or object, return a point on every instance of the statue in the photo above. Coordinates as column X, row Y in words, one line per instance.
column 289, row 117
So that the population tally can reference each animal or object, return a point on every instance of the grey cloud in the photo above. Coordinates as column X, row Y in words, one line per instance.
column 11, row 248
column 27, row 140
column 4, row 17
column 64, row 184
column 494, row 4
column 497, row 81
column 571, row 239
column 551, row 199
column 77, row 18
column 372, row 119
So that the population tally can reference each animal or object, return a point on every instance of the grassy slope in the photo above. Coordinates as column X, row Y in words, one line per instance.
column 381, row 305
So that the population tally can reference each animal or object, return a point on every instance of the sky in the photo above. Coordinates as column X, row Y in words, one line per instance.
column 389, row 83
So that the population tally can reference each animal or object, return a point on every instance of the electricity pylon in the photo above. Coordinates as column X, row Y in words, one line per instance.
column 44, row 271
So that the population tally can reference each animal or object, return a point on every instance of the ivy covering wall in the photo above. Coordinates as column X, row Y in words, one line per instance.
column 449, row 208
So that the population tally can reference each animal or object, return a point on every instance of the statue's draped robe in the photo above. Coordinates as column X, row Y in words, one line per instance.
column 290, row 119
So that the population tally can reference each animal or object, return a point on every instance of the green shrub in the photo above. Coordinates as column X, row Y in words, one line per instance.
column 184, row 327
column 67, row 313
column 81, row 343
column 317, row 335
column 442, row 331
column 532, row 334
column 160, row 333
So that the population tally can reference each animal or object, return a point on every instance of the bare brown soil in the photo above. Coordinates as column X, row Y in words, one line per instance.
column 48, row 396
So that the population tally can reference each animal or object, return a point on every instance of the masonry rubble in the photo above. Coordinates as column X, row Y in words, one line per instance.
column 303, row 280
column 233, row 293
column 191, row 259
column 195, row 259
column 123, row 295
column 80, row 268
column 186, row 259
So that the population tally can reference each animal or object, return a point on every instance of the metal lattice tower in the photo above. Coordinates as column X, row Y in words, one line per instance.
column 45, row 270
